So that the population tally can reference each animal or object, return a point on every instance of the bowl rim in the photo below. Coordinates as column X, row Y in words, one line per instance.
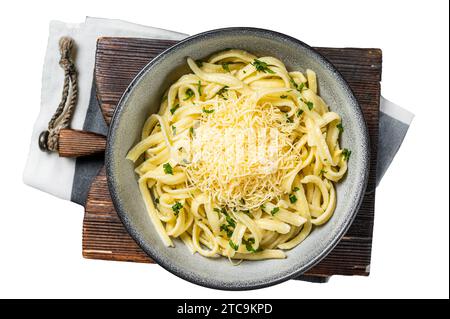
column 121, row 211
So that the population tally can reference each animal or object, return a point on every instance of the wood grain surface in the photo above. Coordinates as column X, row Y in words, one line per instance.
column 118, row 60
column 75, row 143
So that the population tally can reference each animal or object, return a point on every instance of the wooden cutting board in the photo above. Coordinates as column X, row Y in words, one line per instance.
column 118, row 60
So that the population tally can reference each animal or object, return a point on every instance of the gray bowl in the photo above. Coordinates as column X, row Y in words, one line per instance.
column 143, row 97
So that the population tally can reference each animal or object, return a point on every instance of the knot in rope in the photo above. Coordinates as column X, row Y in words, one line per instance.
column 48, row 140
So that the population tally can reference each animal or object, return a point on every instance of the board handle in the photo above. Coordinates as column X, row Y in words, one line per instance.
column 75, row 143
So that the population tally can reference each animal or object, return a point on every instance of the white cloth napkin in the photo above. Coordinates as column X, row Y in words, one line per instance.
column 47, row 171
column 53, row 174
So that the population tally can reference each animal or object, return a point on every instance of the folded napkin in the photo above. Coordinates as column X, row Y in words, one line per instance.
column 69, row 178
column 47, row 171
column 394, row 122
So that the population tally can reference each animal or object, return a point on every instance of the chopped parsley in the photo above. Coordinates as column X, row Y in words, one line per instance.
column 207, row 111
column 226, row 228
column 292, row 198
column 299, row 112
column 164, row 98
column 191, row 130
column 233, row 245
column 262, row 66
column 322, row 171
column 189, row 94
column 310, row 105
column 176, row 208
column 251, row 240
column 222, row 91
column 346, row 153
column 230, row 221
column 340, row 127
column 296, row 86
column 226, row 66
column 174, row 129
column 283, row 96
column 173, row 109
column 168, row 169
column 199, row 87
column 249, row 245
column 275, row 210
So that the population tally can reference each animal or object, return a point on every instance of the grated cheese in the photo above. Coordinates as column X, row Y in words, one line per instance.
column 242, row 151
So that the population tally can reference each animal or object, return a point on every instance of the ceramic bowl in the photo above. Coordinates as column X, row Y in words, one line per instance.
column 143, row 97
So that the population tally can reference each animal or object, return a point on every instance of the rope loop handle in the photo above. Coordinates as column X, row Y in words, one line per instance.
column 48, row 140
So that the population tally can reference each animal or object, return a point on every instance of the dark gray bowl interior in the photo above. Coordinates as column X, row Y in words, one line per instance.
column 143, row 98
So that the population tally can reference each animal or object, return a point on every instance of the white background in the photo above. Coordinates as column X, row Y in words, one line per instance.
column 40, row 236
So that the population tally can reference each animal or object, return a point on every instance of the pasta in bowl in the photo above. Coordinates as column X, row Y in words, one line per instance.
column 239, row 154
column 241, row 158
